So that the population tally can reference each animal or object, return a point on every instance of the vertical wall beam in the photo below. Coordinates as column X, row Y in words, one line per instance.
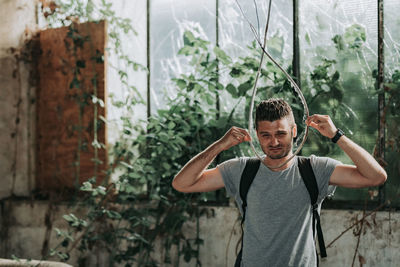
column 381, row 96
column 217, row 44
column 148, row 60
column 218, row 194
column 296, row 43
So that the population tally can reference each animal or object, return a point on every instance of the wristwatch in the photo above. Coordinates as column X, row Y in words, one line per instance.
column 337, row 136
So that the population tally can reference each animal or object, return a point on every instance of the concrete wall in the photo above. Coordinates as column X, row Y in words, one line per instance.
column 24, row 233
column 17, row 20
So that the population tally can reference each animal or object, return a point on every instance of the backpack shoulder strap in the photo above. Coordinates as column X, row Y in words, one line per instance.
column 248, row 174
column 307, row 174
column 309, row 179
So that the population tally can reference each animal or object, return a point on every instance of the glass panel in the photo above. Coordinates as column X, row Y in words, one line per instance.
column 169, row 19
column 340, row 36
column 135, row 47
column 392, row 64
column 236, row 35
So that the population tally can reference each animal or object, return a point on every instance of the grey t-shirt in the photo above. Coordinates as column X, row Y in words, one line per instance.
column 278, row 223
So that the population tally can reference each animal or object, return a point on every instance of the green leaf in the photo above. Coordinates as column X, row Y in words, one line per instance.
column 210, row 99
column 235, row 72
column 335, row 76
column 244, row 87
column 86, row 187
column 134, row 175
column 171, row 125
column 190, row 86
column 166, row 166
column 188, row 38
column 113, row 214
column 181, row 83
column 232, row 90
column 221, row 55
column 164, row 137
column 307, row 38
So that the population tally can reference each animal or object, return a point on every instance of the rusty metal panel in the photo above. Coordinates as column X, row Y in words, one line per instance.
column 72, row 70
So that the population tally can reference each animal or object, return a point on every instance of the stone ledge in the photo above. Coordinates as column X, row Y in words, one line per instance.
column 36, row 263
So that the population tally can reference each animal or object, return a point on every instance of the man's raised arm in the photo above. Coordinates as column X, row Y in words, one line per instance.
column 366, row 172
column 194, row 177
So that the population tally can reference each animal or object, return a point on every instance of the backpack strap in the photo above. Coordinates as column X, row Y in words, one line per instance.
column 248, row 174
column 310, row 181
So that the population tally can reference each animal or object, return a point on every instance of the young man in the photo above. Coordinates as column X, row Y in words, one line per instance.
column 278, row 222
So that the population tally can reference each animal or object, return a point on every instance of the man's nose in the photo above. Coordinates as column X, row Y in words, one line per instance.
column 274, row 141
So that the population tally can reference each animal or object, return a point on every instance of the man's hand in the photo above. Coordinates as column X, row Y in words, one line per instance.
column 233, row 137
column 323, row 124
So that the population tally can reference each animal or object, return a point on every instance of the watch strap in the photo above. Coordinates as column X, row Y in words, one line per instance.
column 339, row 133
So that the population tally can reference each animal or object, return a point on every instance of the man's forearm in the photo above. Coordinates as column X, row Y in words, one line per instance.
column 363, row 160
column 195, row 167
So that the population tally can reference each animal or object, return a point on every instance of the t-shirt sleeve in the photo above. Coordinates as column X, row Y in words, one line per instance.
column 323, row 168
column 231, row 172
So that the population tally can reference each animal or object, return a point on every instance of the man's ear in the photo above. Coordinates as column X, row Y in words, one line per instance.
column 294, row 130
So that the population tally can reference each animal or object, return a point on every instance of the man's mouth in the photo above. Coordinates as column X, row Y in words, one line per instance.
column 275, row 148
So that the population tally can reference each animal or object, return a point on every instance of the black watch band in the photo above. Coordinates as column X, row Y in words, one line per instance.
column 337, row 136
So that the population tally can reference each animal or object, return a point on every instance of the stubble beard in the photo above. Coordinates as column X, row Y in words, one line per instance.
column 285, row 150
column 284, row 153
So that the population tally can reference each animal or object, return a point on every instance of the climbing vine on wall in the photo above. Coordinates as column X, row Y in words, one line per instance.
column 127, row 216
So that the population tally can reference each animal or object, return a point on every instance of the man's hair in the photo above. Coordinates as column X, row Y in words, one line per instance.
column 273, row 109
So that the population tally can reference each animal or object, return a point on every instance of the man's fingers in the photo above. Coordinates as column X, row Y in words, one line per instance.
column 318, row 118
column 246, row 135
column 313, row 124
column 240, row 134
column 243, row 131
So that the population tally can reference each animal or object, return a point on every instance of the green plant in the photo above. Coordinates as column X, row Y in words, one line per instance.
column 391, row 119
column 129, row 215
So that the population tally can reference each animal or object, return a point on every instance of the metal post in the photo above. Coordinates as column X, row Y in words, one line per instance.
column 217, row 44
column 381, row 96
column 296, row 43
column 218, row 194
column 148, row 60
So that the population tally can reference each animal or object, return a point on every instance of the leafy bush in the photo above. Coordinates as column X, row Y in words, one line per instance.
column 139, row 207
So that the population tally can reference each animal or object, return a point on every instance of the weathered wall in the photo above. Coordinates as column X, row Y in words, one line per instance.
column 16, row 100
column 24, row 231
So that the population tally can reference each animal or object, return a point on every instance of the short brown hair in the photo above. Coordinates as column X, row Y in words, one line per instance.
column 273, row 109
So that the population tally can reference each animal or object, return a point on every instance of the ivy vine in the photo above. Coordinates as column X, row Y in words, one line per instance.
column 129, row 215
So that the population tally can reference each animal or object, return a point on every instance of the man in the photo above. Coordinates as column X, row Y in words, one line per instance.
column 278, row 226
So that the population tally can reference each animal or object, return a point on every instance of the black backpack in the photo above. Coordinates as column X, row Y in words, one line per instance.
column 248, row 174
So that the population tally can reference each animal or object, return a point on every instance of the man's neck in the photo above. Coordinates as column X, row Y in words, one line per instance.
column 276, row 162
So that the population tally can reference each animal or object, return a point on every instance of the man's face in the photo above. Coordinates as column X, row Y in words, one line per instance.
column 276, row 137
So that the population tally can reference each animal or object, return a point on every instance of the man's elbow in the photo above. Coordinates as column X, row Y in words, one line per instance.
column 174, row 185
column 380, row 179
column 178, row 188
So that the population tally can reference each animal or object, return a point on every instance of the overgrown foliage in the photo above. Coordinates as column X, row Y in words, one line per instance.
column 138, row 210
